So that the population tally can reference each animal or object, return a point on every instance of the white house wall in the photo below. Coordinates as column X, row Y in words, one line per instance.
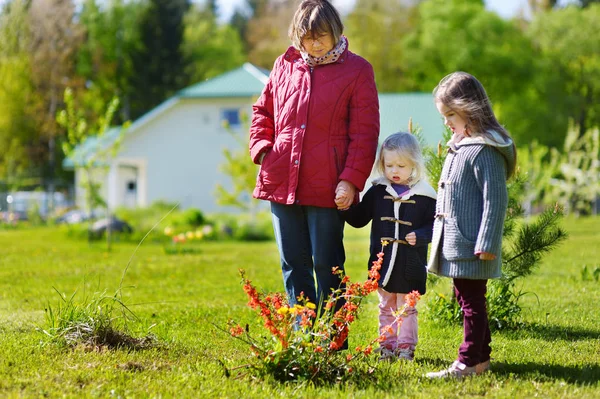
column 183, row 148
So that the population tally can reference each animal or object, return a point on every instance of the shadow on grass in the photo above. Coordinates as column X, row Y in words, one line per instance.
column 581, row 375
column 585, row 374
column 553, row 332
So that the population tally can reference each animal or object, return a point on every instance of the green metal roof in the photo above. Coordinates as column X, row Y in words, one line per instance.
column 245, row 81
column 396, row 109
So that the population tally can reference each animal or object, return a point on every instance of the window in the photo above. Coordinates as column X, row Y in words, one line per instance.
column 231, row 116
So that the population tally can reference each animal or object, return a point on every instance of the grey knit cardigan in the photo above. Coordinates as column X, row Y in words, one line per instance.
column 471, row 206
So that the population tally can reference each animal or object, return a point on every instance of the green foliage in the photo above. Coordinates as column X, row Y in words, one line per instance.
column 105, row 57
column 570, row 51
column 538, row 164
column 158, row 61
column 17, row 96
column 257, row 227
column 589, row 275
column 376, row 29
column 209, row 48
column 577, row 185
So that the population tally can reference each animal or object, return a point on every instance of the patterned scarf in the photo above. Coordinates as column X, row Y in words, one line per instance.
column 329, row 58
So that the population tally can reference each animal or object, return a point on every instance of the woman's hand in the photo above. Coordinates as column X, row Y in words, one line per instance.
column 344, row 194
column 411, row 238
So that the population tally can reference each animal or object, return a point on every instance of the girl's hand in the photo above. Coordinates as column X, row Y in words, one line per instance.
column 344, row 194
column 339, row 199
column 411, row 238
column 486, row 256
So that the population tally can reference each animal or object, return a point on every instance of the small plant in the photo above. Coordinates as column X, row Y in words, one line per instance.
column 100, row 321
column 305, row 340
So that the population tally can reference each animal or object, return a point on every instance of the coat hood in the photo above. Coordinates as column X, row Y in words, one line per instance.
column 504, row 145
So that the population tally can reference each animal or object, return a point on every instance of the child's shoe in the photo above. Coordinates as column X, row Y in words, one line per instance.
column 405, row 352
column 385, row 354
column 456, row 370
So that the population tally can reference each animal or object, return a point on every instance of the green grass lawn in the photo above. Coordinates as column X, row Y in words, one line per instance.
column 556, row 354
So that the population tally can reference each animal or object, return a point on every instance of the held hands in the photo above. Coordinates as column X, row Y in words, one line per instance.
column 344, row 194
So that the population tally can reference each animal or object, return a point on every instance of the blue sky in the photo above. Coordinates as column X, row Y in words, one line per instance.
column 505, row 8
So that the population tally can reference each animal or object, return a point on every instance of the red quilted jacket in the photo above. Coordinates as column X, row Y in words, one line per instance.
column 315, row 128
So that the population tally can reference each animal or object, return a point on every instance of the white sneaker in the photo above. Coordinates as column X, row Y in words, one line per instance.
column 456, row 370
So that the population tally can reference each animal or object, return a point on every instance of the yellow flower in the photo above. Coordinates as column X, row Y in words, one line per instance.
column 169, row 231
column 190, row 235
column 311, row 305
column 199, row 234
column 283, row 310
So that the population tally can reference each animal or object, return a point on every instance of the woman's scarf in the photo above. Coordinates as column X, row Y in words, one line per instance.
column 329, row 58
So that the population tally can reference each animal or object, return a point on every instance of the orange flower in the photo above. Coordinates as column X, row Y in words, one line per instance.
column 236, row 330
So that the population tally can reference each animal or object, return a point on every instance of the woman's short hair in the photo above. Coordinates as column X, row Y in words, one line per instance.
column 315, row 18
column 408, row 147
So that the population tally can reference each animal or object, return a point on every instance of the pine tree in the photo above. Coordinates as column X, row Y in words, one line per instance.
column 159, row 64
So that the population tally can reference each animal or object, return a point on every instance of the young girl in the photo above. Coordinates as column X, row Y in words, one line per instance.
column 400, row 206
column 314, row 131
column 471, row 206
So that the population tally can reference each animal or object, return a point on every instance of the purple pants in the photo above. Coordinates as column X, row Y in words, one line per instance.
column 475, row 348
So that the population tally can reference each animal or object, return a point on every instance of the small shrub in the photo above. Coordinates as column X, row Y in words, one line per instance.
column 305, row 340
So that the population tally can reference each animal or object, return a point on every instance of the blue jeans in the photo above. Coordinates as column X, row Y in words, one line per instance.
column 310, row 241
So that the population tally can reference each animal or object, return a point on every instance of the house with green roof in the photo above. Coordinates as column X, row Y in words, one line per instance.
column 173, row 152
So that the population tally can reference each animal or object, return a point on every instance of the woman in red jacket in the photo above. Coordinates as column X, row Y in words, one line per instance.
column 314, row 132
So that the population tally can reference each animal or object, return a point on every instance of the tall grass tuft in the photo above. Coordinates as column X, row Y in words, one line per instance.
column 99, row 321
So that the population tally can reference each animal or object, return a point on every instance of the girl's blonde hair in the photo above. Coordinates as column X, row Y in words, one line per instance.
column 315, row 18
column 408, row 147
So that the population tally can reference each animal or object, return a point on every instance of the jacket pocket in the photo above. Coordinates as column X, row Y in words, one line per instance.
column 456, row 246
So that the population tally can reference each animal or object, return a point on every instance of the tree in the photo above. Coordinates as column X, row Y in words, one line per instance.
column 570, row 47
column 55, row 39
column 104, row 60
column 209, row 48
column 375, row 29
column 267, row 31
column 159, row 63
column 17, row 127
column 461, row 35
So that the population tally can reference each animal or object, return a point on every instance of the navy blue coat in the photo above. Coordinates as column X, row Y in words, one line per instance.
column 404, row 266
